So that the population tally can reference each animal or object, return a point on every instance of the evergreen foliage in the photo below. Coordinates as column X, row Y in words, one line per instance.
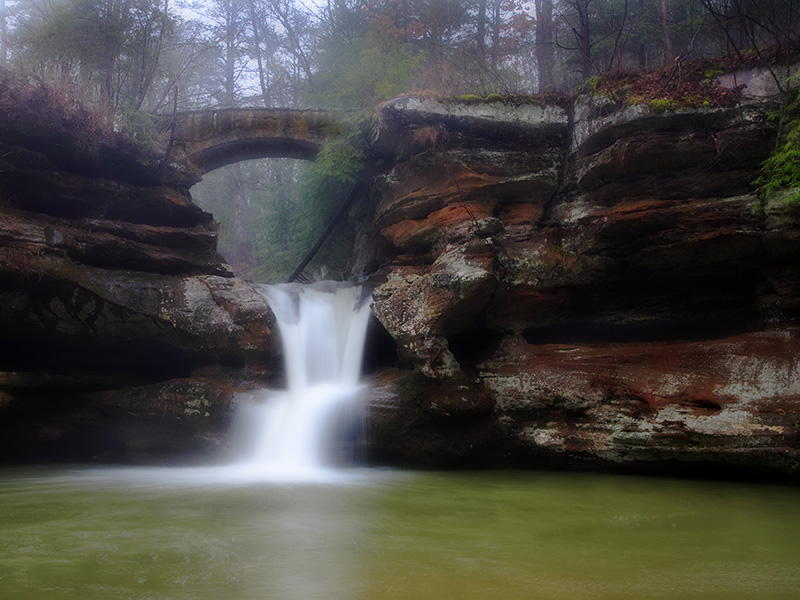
column 321, row 188
column 782, row 169
column 371, row 69
column 339, row 160
column 289, row 227
column 140, row 128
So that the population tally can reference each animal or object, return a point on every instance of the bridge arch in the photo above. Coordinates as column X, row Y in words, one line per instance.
column 209, row 139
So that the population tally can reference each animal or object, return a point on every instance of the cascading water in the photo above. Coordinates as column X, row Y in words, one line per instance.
column 298, row 433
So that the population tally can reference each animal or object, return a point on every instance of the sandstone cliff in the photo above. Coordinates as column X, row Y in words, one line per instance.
column 114, row 303
column 584, row 286
column 574, row 286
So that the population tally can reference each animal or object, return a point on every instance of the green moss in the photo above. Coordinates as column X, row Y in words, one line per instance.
column 468, row 99
column 710, row 75
column 791, row 204
column 510, row 100
column 659, row 105
column 782, row 169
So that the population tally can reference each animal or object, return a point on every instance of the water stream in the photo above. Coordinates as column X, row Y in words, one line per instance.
column 284, row 523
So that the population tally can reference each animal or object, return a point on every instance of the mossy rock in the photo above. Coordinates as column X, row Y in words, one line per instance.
column 660, row 106
column 468, row 99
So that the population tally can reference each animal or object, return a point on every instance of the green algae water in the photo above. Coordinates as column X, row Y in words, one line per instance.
column 372, row 534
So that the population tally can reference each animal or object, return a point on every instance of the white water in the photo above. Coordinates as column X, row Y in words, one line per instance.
column 300, row 432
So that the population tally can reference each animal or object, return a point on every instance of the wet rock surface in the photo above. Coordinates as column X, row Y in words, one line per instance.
column 608, row 286
column 110, row 280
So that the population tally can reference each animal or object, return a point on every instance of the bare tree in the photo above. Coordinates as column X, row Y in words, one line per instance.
column 576, row 17
column 545, row 44
column 669, row 53
column 3, row 33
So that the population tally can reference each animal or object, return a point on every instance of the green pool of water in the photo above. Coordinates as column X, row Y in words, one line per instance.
column 190, row 534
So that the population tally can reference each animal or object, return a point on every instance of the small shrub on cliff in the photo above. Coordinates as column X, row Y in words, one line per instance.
column 342, row 157
column 29, row 104
column 593, row 84
column 32, row 107
column 140, row 128
column 339, row 160
column 782, row 169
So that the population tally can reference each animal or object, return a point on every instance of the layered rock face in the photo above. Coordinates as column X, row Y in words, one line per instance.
column 566, row 286
column 110, row 282
column 585, row 286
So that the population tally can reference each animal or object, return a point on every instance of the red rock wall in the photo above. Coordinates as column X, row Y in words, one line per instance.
column 585, row 286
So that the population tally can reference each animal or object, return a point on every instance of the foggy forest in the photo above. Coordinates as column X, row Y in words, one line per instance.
column 131, row 59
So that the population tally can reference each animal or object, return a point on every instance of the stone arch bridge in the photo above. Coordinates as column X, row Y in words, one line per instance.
column 210, row 139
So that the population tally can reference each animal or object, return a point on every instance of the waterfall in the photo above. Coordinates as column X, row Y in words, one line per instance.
column 298, row 433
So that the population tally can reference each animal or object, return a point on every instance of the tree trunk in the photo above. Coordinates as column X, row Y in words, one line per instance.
column 745, row 29
column 294, row 46
column 669, row 53
column 481, row 33
column 229, row 67
column 3, row 34
column 151, row 60
column 582, row 34
column 266, row 98
column 545, row 49
column 496, row 24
